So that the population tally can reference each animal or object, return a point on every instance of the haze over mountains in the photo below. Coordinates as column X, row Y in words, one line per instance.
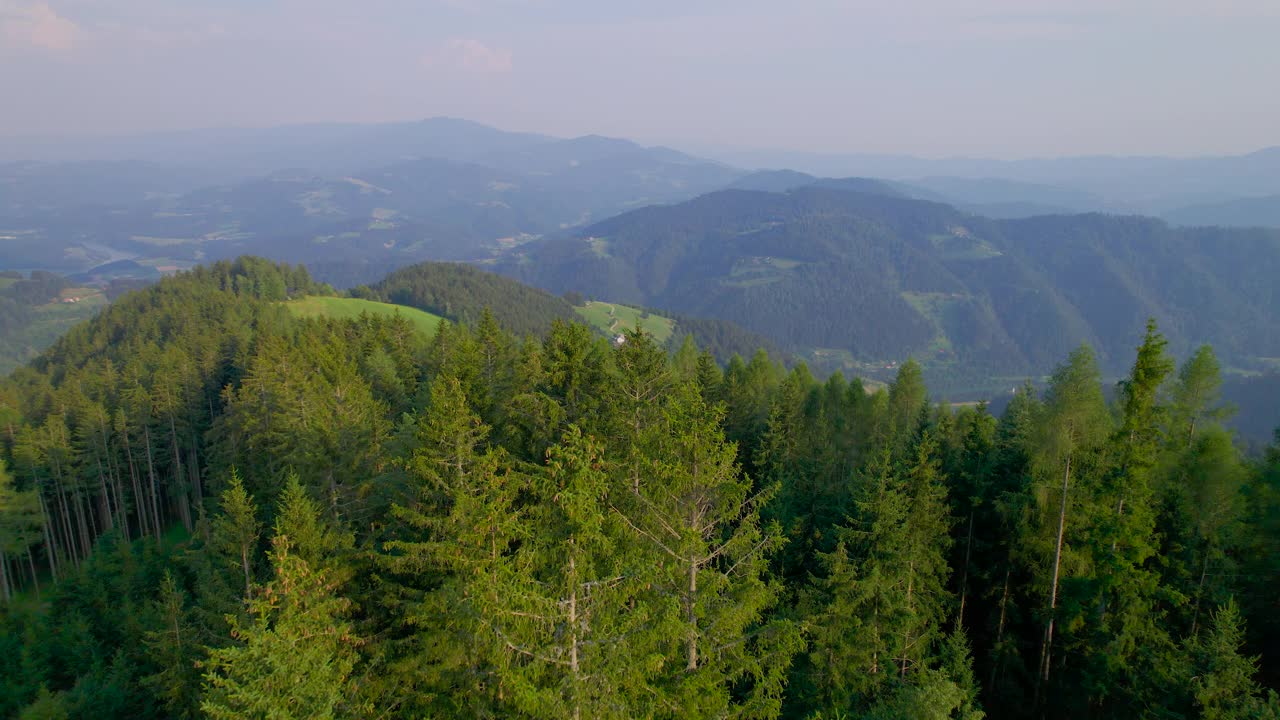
column 381, row 194
column 1141, row 185
column 984, row 269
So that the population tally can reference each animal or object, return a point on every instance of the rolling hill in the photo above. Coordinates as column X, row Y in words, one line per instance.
column 883, row 277
column 346, row 307
column 462, row 292
column 1241, row 212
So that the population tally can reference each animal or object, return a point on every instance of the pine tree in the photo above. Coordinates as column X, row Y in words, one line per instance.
column 810, row 502
column 175, row 648
column 294, row 656
column 1075, row 423
column 1223, row 681
column 1015, row 501
column 1200, row 488
column 642, row 379
column 1127, row 619
column 313, row 539
column 907, row 399
column 449, row 543
column 698, row 518
column 236, row 530
column 685, row 360
column 885, row 587
column 21, row 526
column 1196, row 396
column 559, row 606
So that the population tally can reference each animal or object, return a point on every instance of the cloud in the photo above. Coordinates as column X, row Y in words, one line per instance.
column 37, row 25
column 470, row 55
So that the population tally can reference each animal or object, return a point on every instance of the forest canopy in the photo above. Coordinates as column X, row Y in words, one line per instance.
column 211, row 508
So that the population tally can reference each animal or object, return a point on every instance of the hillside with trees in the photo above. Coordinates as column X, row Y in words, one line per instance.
column 884, row 277
column 465, row 293
column 36, row 309
column 212, row 508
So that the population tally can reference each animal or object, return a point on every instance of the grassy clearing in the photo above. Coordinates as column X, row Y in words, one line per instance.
column 611, row 318
column 959, row 244
column 761, row 270
column 933, row 306
column 599, row 246
column 336, row 307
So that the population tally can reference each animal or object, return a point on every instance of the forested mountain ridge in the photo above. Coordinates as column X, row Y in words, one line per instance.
column 252, row 515
column 466, row 293
column 463, row 292
column 885, row 277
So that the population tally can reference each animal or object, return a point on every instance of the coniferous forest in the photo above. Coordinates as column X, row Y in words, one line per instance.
column 211, row 508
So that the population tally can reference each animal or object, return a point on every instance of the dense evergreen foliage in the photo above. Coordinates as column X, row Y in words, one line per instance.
column 209, row 508
column 462, row 292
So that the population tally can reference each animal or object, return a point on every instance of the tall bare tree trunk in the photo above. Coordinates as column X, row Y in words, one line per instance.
column 151, row 471
column 31, row 563
column 691, row 662
column 1004, row 605
column 4, row 578
column 964, row 579
column 104, row 505
column 1204, row 572
column 51, row 547
column 573, row 633
column 139, row 498
column 184, row 501
column 1046, row 650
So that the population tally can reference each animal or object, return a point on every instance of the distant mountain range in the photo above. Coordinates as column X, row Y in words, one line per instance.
column 970, row 263
column 373, row 196
column 1241, row 212
column 1147, row 185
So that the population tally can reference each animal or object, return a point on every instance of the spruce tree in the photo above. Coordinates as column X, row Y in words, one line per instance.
column 1223, row 682
column 885, row 589
column 236, row 530
column 1128, row 632
column 706, row 562
column 1074, row 425
column 447, row 543
column 174, row 646
column 293, row 658
column 559, row 607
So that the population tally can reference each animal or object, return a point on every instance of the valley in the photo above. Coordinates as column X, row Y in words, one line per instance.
column 571, row 360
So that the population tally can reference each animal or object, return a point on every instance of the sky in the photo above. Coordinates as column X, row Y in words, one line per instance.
column 993, row 78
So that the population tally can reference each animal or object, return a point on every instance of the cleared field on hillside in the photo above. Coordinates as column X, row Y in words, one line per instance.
column 613, row 319
column 336, row 307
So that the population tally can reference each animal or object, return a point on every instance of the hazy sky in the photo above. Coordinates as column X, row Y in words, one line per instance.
column 1005, row 78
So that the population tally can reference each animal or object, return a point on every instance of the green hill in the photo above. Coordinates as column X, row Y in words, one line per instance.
column 612, row 319
column 461, row 293
column 339, row 307
column 886, row 277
